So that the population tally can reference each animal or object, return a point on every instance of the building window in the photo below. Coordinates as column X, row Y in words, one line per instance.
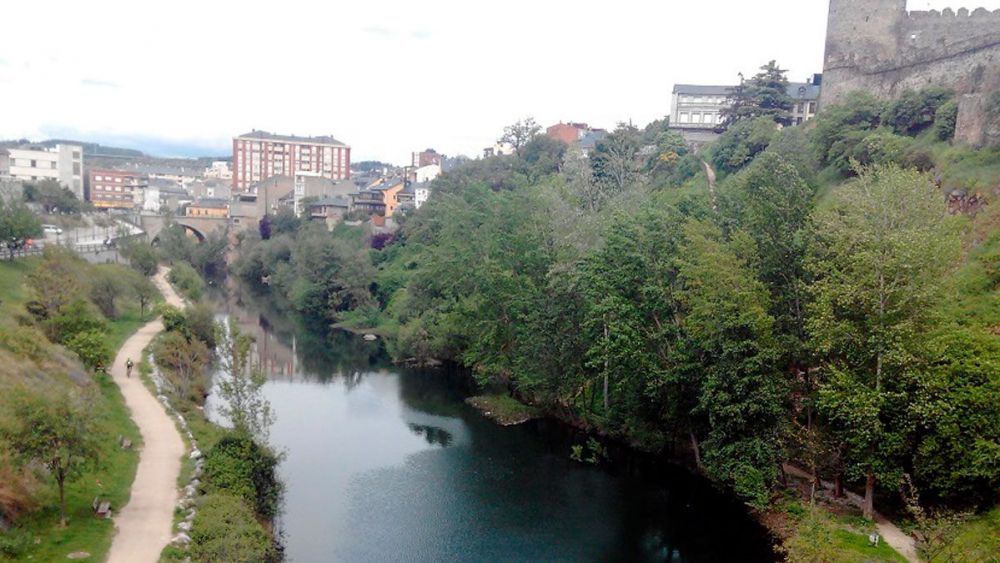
column 812, row 107
column 684, row 117
column 34, row 164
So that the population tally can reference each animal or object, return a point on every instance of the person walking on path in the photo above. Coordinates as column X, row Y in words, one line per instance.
column 128, row 367
column 144, row 525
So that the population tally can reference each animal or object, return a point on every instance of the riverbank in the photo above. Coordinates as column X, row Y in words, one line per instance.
column 503, row 409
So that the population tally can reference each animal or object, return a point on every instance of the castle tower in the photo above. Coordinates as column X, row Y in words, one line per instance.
column 859, row 35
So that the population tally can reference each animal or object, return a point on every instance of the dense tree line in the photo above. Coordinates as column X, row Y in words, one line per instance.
column 792, row 311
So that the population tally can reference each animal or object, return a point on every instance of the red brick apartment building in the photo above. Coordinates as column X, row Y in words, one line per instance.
column 115, row 189
column 259, row 155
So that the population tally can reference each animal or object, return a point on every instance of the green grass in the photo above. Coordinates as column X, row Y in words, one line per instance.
column 13, row 293
column 38, row 536
column 503, row 409
column 837, row 537
column 856, row 547
column 111, row 480
column 978, row 539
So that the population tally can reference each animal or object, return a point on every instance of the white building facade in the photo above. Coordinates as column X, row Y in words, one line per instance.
column 62, row 163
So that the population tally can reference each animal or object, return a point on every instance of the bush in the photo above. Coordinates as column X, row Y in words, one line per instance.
column 238, row 466
column 187, row 281
column 200, row 321
column 914, row 112
column 225, row 530
column 92, row 348
column 945, row 120
column 839, row 128
column 76, row 317
column 882, row 147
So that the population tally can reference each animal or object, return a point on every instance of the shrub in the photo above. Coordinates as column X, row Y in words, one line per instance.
column 225, row 530
column 839, row 128
column 200, row 321
column 92, row 348
column 945, row 120
column 187, row 281
column 76, row 317
column 915, row 111
column 881, row 147
column 238, row 466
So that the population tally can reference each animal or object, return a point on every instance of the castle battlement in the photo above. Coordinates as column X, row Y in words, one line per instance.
column 880, row 47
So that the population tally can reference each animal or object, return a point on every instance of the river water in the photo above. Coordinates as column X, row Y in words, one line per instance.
column 389, row 464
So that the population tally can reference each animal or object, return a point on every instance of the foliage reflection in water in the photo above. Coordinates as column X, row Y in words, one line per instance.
column 389, row 464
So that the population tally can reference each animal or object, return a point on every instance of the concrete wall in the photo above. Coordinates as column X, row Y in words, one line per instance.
column 879, row 47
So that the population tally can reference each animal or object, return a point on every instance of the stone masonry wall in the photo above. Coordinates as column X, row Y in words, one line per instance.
column 879, row 47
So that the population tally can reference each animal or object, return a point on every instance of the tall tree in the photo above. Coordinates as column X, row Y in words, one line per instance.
column 244, row 406
column 615, row 160
column 519, row 134
column 764, row 95
column 55, row 431
column 729, row 339
column 880, row 249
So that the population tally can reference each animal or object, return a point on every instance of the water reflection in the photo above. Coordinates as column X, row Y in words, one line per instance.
column 387, row 464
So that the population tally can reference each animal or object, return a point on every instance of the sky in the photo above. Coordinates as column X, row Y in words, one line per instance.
column 388, row 77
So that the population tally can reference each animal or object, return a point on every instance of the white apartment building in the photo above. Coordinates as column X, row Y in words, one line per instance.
column 62, row 163
column 420, row 194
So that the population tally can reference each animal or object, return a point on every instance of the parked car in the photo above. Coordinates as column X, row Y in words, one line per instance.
column 52, row 230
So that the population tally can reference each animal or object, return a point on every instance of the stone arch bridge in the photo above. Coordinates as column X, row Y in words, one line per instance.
column 200, row 227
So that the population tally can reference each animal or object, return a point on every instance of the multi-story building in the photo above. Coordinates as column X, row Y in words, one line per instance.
column 381, row 199
column 62, row 163
column 115, row 189
column 259, row 155
column 697, row 110
column 568, row 133
column 806, row 98
column 428, row 157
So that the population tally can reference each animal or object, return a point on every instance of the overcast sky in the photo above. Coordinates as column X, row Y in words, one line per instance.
column 385, row 76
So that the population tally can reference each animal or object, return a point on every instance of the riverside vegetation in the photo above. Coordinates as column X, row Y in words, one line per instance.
column 816, row 305
column 62, row 419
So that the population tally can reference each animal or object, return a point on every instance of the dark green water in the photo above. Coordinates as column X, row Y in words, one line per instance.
column 387, row 464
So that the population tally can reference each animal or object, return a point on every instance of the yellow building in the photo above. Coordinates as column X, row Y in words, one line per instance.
column 209, row 207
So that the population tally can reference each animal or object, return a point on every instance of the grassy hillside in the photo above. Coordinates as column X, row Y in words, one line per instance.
column 28, row 358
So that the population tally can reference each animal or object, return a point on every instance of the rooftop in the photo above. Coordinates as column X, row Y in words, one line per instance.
column 265, row 136
column 803, row 91
column 214, row 203
column 702, row 90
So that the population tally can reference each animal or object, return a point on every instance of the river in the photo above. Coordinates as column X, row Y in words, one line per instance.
column 389, row 464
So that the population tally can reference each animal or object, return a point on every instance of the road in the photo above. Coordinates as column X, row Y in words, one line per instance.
column 144, row 524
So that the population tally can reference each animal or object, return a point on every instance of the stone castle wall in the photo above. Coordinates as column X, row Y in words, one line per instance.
column 880, row 47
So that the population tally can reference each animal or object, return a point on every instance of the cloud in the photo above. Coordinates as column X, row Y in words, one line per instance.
column 100, row 83
column 421, row 35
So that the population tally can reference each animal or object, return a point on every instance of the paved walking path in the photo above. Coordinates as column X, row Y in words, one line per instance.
column 144, row 524
column 903, row 543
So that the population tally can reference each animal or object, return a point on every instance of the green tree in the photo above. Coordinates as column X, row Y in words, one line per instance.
column 105, row 289
column 739, row 145
column 17, row 222
column 56, row 431
column 519, row 134
column 764, row 95
column 142, row 258
column 243, row 404
column 956, row 415
column 914, row 111
column 53, row 197
column 615, row 160
column 145, row 292
column 92, row 348
column 881, row 247
column 56, row 281
column 729, row 340
column 841, row 127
